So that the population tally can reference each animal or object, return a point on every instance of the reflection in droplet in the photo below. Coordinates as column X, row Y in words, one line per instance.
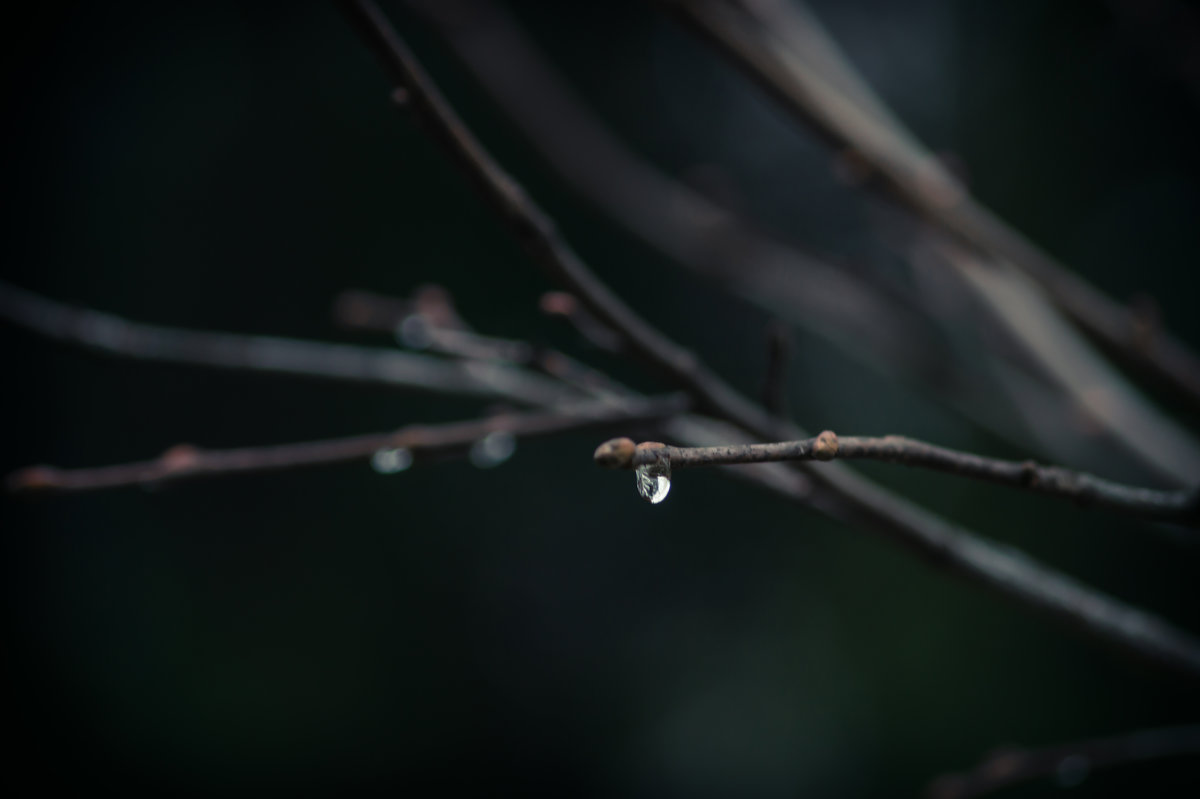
column 493, row 449
column 413, row 332
column 390, row 461
column 654, row 479
column 1072, row 770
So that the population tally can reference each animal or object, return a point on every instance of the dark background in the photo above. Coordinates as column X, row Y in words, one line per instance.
column 537, row 627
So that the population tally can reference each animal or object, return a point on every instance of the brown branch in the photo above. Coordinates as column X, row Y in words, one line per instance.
column 839, row 491
column 822, row 90
column 411, row 371
column 1071, row 761
column 1181, row 507
column 186, row 462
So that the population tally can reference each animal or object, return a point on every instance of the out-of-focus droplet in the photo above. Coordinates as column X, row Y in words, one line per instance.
column 654, row 479
column 390, row 461
column 413, row 332
column 1072, row 770
column 493, row 449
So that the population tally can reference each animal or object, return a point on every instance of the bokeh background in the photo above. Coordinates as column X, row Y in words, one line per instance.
column 537, row 628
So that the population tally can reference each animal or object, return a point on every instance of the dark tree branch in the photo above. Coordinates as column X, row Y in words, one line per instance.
column 1181, row 507
column 1013, row 766
column 271, row 354
column 186, row 462
column 824, row 93
column 840, row 492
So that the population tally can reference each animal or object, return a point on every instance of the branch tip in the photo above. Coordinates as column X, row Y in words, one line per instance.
column 616, row 453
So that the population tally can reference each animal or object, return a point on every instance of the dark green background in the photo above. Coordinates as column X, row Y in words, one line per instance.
column 537, row 627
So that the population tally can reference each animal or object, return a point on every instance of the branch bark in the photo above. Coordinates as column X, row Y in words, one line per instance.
column 1180, row 507
column 184, row 461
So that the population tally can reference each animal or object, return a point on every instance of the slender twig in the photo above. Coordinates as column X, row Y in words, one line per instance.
column 1181, row 507
column 822, row 90
column 185, row 461
column 1071, row 762
column 271, row 354
column 840, row 492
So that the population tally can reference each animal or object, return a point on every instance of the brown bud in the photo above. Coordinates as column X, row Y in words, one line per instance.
column 826, row 446
column 616, row 453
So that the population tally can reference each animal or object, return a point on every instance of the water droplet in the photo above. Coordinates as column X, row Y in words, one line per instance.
column 390, row 461
column 413, row 332
column 654, row 479
column 493, row 449
column 1072, row 770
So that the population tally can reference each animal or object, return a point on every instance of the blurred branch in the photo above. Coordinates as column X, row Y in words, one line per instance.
column 186, row 462
column 840, row 492
column 270, row 354
column 1070, row 761
column 1181, row 507
column 774, row 46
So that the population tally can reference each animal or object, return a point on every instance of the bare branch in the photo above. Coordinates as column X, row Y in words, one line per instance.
column 840, row 492
column 1071, row 762
column 817, row 86
column 185, row 461
column 271, row 354
column 1181, row 507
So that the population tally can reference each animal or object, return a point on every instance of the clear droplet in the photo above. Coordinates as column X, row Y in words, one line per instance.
column 413, row 332
column 654, row 479
column 390, row 461
column 493, row 449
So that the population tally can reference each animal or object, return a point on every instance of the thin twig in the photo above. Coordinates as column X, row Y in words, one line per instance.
column 822, row 90
column 271, row 354
column 1071, row 762
column 841, row 493
column 1181, row 507
column 185, row 461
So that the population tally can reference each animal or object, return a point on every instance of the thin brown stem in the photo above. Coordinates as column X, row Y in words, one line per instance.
column 839, row 491
column 1181, row 506
column 271, row 354
column 1070, row 762
column 186, row 462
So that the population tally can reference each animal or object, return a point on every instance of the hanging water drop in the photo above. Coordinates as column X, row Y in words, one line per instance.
column 654, row 479
column 493, row 449
column 390, row 461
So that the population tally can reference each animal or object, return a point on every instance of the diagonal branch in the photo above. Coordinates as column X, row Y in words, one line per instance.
column 1070, row 761
column 187, row 462
column 775, row 47
column 1181, row 507
column 841, row 492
